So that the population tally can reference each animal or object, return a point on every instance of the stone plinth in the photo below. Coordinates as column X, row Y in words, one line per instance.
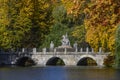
column 63, row 49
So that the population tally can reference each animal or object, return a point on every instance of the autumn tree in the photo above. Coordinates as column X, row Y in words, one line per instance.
column 40, row 16
column 21, row 18
column 102, row 18
column 11, row 30
column 75, row 10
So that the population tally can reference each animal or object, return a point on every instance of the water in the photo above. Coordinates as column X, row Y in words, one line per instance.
column 59, row 73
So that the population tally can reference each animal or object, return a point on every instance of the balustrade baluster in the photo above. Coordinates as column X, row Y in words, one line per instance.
column 81, row 49
column 87, row 50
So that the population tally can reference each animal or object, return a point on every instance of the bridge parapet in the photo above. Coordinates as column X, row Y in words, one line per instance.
column 66, row 51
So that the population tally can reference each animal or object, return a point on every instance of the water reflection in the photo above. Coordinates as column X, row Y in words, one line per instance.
column 58, row 73
column 92, row 74
column 33, row 73
column 53, row 73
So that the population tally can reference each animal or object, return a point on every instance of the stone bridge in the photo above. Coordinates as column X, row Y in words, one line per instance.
column 45, row 57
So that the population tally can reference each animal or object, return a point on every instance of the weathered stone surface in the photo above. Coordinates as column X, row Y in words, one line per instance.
column 41, row 58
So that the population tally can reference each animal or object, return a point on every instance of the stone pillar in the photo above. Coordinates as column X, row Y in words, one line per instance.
column 81, row 49
column 87, row 50
column 23, row 50
column 65, row 50
column 44, row 50
column 54, row 50
column 92, row 50
column 75, row 45
column 100, row 50
column 76, row 49
column 34, row 51
column 51, row 46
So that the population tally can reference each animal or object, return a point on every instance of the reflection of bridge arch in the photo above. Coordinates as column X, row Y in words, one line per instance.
column 24, row 61
column 55, row 61
column 83, row 60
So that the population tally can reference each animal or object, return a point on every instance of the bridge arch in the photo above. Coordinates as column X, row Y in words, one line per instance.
column 54, row 61
column 25, row 61
column 87, row 60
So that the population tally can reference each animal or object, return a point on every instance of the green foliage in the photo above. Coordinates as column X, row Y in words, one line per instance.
column 79, row 33
column 117, row 49
column 59, row 28
column 55, row 35
column 59, row 14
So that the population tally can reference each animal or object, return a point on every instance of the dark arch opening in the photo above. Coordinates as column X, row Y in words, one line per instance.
column 25, row 61
column 55, row 61
column 87, row 61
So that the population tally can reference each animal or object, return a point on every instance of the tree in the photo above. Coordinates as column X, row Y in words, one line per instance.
column 21, row 18
column 10, row 28
column 102, row 18
column 70, row 22
column 117, row 48
column 75, row 10
column 41, row 20
column 59, row 27
column 79, row 33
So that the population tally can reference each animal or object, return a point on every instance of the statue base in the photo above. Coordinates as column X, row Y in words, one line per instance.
column 62, row 49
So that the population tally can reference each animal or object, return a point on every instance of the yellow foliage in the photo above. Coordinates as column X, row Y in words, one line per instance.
column 74, row 7
column 101, row 23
